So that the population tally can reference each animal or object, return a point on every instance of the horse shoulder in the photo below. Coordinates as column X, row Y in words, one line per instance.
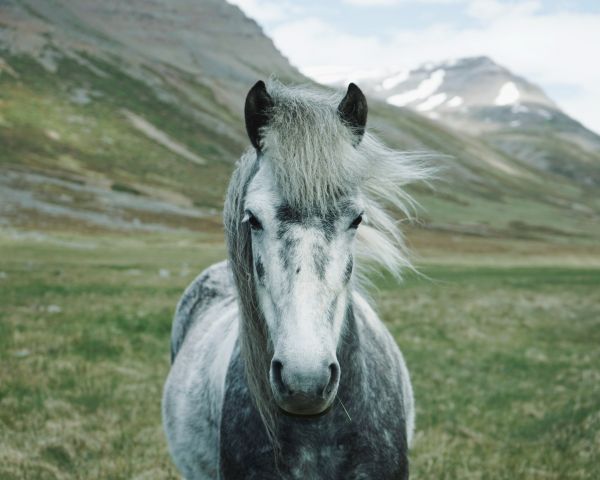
column 383, row 349
column 204, row 334
column 210, row 287
column 373, row 332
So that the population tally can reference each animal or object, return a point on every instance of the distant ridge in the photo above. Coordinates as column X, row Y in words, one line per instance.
column 127, row 116
column 477, row 96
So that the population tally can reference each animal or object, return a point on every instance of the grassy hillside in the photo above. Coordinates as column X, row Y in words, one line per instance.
column 45, row 126
column 484, row 191
column 99, row 132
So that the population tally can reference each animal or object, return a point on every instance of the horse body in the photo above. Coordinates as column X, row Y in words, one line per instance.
column 280, row 367
column 203, row 336
column 214, row 430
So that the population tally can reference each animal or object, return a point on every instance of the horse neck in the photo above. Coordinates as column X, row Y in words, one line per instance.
column 349, row 350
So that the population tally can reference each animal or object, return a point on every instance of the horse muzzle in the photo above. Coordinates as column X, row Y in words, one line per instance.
column 302, row 389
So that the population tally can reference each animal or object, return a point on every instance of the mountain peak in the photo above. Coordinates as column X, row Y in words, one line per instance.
column 462, row 62
column 480, row 97
column 455, row 86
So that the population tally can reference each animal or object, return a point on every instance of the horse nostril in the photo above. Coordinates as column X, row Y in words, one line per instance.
column 334, row 376
column 276, row 372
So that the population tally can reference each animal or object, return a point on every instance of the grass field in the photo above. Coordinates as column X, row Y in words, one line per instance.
column 504, row 350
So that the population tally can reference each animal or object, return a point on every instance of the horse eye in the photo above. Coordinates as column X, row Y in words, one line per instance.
column 356, row 222
column 254, row 222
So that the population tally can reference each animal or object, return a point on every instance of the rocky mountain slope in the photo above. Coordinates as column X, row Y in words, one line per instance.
column 133, row 98
column 128, row 116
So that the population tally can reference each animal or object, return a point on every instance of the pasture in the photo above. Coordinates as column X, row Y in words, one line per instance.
column 503, row 345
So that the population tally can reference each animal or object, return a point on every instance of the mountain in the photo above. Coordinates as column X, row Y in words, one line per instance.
column 127, row 116
column 477, row 96
column 104, row 100
column 457, row 88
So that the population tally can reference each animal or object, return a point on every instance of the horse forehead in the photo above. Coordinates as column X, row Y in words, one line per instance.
column 264, row 193
column 305, row 250
column 323, row 219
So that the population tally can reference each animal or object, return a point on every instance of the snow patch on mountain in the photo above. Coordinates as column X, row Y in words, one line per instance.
column 544, row 113
column 455, row 101
column 395, row 80
column 425, row 89
column 508, row 95
column 432, row 102
column 518, row 108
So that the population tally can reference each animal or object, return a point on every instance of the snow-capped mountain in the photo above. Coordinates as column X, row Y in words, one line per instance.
column 477, row 96
column 458, row 86
column 461, row 89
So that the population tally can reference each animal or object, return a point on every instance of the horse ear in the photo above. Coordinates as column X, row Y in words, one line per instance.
column 256, row 111
column 353, row 111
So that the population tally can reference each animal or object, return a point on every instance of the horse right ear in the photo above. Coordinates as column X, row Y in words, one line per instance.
column 256, row 111
column 353, row 111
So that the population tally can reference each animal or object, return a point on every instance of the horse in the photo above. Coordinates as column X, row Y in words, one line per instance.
column 280, row 367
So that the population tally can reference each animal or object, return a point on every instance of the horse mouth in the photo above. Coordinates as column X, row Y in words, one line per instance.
column 306, row 413
column 302, row 406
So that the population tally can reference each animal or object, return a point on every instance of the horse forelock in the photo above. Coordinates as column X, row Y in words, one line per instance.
column 309, row 148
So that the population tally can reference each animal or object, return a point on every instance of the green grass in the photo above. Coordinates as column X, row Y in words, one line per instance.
column 505, row 359
column 505, row 364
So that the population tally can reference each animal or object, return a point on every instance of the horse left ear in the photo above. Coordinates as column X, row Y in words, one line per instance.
column 256, row 111
column 353, row 111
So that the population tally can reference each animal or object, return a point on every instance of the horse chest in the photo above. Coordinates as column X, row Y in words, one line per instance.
column 328, row 447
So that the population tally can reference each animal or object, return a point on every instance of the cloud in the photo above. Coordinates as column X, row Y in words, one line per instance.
column 371, row 3
column 556, row 50
column 387, row 3
column 313, row 42
column 489, row 10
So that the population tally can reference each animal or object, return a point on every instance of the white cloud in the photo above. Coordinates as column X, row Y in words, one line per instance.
column 371, row 3
column 385, row 3
column 494, row 9
column 312, row 42
column 549, row 49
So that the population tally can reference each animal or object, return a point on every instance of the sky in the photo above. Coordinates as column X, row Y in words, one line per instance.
column 552, row 43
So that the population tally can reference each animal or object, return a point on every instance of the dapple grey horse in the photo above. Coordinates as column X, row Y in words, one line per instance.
column 280, row 366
